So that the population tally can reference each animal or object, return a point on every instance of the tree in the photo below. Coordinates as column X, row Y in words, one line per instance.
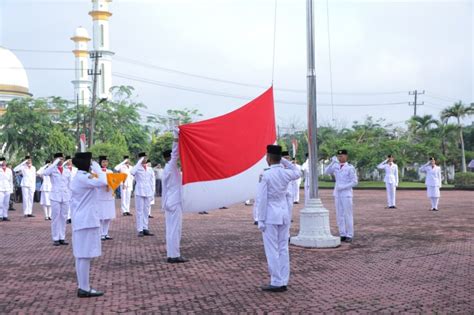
column 26, row 129
column 459, row 111
column 159, row 145
column 421, row 124
column 447, row 133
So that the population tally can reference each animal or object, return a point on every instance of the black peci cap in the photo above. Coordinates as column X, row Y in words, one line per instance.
column 167, row 153
column 274, row 149
column 343, row 151
column 56, row 155
column 141, row 154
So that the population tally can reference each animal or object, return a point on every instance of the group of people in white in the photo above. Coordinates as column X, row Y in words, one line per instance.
column 78, row 188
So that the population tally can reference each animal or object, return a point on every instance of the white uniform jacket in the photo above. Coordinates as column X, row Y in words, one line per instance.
column 144, row 178
column 61, row 191
column 171, row 182
column 6, row 180
column 84, row 205
column 391, row 172
column 433, row 175
column 272, row 193
column 46, row 184
column 346, row 178
column 125, row 169
column 29, row 175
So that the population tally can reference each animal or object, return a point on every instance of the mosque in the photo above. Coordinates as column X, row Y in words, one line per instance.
column 14, row 79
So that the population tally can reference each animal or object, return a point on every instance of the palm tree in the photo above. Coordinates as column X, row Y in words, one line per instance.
column 459, row 111
column 423, row 123
column 446, row 132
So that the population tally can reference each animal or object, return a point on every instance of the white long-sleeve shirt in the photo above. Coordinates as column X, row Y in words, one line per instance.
column 272, row 205
column 346, row 178
column 6, row 180
column 125, row 169
column 144, row 177
column 46, row 184
column 433, row 175
column 105, row 193
column 28, row 173
column 84, row 205
column 60, row 192
column 391, row 172
column 171, row 182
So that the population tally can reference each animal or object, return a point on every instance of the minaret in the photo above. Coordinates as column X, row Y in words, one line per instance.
column 101, row 40
column 82, row 82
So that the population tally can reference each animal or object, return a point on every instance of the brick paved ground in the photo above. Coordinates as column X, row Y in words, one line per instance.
column 404, row 260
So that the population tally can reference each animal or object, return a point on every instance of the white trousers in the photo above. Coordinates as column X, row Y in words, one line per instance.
column 142, row 209
column 434, row 202
column 174, row 220
column 104, row 227
column 296, row 190
column 69, row 211
column 345, row 220
column 4, row 203
column 275, row 242
column 391, row 194
column 125, row 200
column 58, row 219
column 27, row 194
column 83, row 266
column 47, row 211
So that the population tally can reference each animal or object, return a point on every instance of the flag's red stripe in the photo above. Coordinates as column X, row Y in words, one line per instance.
column 227, row 145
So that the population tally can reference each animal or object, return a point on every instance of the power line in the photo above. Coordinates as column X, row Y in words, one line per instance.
column 223, row 94
column 442, row 98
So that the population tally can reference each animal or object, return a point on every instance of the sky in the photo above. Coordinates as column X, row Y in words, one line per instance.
column 379, row 51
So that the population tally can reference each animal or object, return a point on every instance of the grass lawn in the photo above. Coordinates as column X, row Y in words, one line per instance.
column 368, row 184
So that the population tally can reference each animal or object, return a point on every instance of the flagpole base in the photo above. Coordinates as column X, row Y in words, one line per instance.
column 314, row 227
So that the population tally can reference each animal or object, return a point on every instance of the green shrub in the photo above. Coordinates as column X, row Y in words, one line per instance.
column 325, row 178
column 464, row 180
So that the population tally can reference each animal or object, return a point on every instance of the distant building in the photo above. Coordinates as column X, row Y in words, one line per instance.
column 13, row 79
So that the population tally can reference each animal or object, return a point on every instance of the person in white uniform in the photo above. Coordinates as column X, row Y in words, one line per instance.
column 86, row 229
column 274, row 217
column 144, row 193
column 171, row 202
column 433, row 182
column 126, row 187
column 6, row 189
column 290, row 190
column 306, row 173
column 28, row 185
column 346, row 178
column 106, row 199
column 152, row 202
column 296, row 184
column 45, row 191
column 60, row 198
column 68, row 166
column 390, row 179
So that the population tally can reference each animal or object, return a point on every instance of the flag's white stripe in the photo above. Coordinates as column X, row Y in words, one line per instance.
column 209, row 195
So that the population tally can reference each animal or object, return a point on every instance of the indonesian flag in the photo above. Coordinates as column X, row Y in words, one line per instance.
column 294, row 145
column 82, row 140
column 223, row 157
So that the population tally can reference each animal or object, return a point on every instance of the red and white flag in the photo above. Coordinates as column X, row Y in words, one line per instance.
column 82, row 140
column 223, row 157
column 294, row 145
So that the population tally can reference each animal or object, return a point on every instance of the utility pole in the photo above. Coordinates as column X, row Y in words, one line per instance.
column 416, row 93
column 95, row 72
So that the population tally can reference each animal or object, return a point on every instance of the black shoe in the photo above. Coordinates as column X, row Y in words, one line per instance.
column 219, row 208
column 11, row 209
column 147, row 233
column 150, row 216
column 30, row 216
column 394, row 207
column 296, row 202
column 63, row 242
column 129, row 214
column 272, row 288
column 343, row 238
column 434, row 209
column 6, row 219
column 56, row 243
column 140, row 234
column 49, row 218
column 348, row 240
column 107, row 237
column 86, row 294
column 255, row 222
column 68, row 221
column 102, row 238
column 176, row 260
column 125, row 214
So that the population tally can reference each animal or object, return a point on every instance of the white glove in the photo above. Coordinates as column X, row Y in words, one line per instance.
column 334, row 159
column 261, row 226
column 96, row 167
column 176, row 132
